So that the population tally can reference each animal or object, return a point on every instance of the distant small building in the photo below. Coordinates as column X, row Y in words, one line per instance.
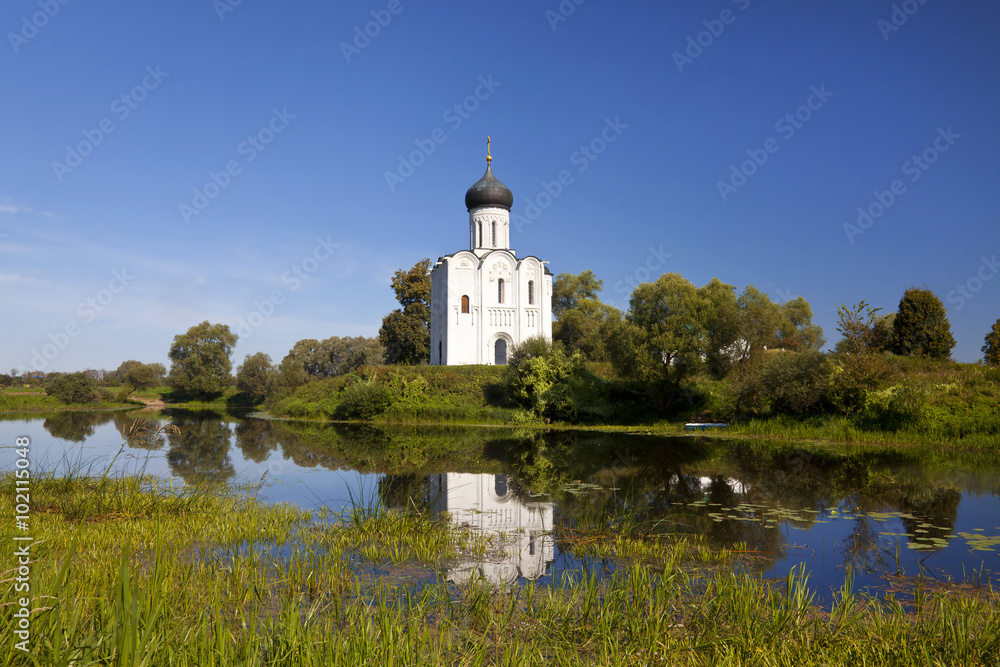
column 485, row 300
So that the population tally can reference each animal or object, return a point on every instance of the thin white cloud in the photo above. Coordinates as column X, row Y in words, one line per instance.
column 7, row 205
column 18, row 278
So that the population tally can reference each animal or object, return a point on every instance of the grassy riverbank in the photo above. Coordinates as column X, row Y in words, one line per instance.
column 36, row 400
column 416, row 394
column 920, row 402
column 127, row 571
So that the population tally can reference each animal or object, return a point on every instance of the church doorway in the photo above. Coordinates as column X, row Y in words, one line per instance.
column 500, row 352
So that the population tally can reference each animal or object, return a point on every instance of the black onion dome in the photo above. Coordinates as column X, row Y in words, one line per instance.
column 488, row 191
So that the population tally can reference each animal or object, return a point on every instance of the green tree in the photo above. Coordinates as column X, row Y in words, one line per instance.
column 921, row 327
column 333, row 356
column 200, row 360
column 722, row 325
column 582, row 321
column 138, row 375
column 255, row 376
column 761, row 321
column 569, row 290
column 992, row 346
column 406, row 331
column 799, row 333
column 882, row 332
column 857, row 326
column 663, row 337
column 291, row 373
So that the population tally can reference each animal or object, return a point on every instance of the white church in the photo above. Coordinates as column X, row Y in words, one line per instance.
column 485, row 300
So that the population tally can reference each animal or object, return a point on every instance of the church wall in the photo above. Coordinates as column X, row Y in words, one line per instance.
column 463, row 328
column 439, row 299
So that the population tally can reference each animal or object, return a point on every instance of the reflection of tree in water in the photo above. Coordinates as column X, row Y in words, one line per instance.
column 641, row 486
column 256, row 438
column 930, row 513
column 199, row 450
column 141, row 432
column 655, row 480
column 934, row 511
column 863, row 548
column 309, row 447
column 75, row 425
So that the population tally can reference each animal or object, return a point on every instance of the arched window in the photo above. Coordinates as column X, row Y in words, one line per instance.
column 494, row 235
column 440, row 360
column 479, row 239
column 500, row 291
column 465, row 303
column 531, row 292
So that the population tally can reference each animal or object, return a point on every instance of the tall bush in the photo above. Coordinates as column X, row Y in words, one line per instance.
column 921, row 328
column 74, row 388
column 784, row 383
column 364, row 401
column 855, row 376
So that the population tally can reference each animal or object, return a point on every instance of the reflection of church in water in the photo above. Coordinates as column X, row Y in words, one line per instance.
column 485, row 503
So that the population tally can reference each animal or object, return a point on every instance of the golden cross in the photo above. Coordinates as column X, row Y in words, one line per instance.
column 489, row 158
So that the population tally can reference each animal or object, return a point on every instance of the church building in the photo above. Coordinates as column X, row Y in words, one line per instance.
column 485, row 300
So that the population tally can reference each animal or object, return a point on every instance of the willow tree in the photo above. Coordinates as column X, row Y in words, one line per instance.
column 200, row 360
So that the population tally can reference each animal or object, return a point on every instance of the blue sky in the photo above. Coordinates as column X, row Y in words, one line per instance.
column 167, row 163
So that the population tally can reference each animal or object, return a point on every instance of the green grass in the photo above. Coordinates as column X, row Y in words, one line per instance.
column 837, row 429
column 959, row 407
column 420, row 394
column 132, row 572
column 12, row 400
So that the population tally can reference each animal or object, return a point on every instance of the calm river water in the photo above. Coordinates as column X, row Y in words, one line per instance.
column 879, row 512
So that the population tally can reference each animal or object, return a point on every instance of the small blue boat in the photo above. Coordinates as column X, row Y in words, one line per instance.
column 696, row 426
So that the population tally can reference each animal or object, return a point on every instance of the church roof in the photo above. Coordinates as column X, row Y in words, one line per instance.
column 488, row 191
